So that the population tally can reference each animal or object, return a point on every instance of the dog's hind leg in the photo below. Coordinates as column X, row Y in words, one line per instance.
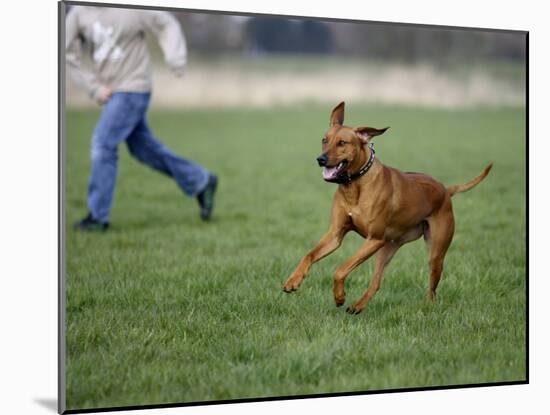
column 438, row 238
column 382, row 259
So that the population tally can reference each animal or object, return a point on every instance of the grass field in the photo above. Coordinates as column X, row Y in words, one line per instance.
column 164, row 308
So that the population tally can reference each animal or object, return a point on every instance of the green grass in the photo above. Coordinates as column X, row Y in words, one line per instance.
column 164, row 308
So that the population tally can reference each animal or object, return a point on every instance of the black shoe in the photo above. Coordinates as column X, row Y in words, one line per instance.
column 206, row 197
column 89, row 224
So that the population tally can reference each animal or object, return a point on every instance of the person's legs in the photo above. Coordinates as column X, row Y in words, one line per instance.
column 190, row 176
column 118, row 119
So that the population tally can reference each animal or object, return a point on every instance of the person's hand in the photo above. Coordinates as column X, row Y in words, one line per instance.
column 103, row 94
column 178, row 71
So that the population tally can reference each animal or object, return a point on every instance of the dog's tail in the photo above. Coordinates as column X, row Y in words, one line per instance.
column 458, row 188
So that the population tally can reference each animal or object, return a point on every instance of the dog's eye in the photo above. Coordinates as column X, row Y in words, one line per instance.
column 342, row 143
column 324, row 140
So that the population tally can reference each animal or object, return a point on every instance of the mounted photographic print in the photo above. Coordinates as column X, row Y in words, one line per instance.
column 262, row 207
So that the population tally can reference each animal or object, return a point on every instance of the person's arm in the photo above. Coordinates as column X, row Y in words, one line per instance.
column 81, row 76
column 170, row 37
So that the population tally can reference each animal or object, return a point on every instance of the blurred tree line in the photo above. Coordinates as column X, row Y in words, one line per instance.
column 255, row 35
column 211, row 33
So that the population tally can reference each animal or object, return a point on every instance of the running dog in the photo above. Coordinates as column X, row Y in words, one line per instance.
column 387, row 207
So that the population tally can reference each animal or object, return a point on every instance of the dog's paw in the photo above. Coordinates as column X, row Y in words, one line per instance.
column 290, row 286
column 354, row 309
column 339, row 297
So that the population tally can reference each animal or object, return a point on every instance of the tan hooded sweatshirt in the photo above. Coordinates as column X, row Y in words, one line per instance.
column 118, row 47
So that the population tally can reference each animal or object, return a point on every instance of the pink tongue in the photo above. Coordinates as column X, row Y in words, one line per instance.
column 329, row 172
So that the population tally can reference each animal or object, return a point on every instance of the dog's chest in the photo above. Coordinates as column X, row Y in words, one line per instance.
column 355, row 208
column 357, row 218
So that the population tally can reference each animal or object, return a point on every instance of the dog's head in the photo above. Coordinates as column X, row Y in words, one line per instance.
column 344, row 148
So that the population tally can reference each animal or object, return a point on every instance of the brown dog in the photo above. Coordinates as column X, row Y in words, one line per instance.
column 384, row 205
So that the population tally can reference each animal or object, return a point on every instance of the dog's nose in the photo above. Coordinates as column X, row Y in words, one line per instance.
column 322, row 160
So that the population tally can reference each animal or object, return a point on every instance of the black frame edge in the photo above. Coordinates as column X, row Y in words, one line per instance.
column 289, row 398
column 61, row 347
column 527, row 207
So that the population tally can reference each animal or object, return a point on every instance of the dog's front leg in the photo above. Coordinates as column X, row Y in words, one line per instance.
column 330, row 242
column 369, row 247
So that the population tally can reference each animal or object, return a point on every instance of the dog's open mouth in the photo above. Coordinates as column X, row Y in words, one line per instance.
column 331, row 173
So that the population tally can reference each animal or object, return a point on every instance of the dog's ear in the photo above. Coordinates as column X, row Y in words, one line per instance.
column 337, row 116
column 365, row 134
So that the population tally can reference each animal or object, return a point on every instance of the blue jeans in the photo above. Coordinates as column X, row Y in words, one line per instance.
column 123, row 119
